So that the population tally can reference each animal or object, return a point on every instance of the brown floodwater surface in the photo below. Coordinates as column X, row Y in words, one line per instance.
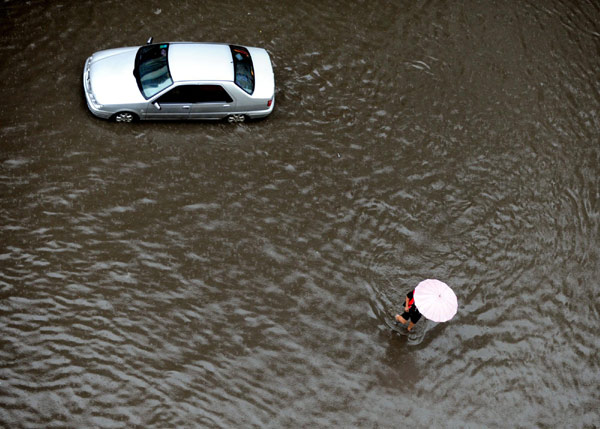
column 160, row 275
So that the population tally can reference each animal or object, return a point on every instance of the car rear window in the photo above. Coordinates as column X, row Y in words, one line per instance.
column 243, row 69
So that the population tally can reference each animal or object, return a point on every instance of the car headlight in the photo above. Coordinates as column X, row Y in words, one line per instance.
column 88, row 84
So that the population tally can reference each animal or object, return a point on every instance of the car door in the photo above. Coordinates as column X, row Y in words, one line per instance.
column 211, row 101
column 174, row 104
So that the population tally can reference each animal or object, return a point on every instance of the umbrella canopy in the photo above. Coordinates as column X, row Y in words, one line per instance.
column 435, row 300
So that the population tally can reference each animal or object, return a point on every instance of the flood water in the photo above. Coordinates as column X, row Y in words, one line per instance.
column 160, row 275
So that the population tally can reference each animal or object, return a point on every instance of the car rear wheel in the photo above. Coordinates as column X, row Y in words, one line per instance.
column 236, row 118
column 125, row 117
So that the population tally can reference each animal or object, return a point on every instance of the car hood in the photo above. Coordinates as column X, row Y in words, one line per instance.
column 111, row 77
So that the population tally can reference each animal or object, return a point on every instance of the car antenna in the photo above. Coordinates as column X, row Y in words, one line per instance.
column 149, row 40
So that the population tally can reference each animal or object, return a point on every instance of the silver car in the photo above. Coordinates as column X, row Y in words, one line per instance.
column 180, row 81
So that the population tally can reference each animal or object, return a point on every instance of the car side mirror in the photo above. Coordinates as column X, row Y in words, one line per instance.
column 157, row 105
column 149, row 40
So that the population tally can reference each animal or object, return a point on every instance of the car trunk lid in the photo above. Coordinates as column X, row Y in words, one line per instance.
column 263, row 73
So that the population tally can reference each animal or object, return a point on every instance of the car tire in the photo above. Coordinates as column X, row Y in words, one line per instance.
column 236, row 118
column 125, row 117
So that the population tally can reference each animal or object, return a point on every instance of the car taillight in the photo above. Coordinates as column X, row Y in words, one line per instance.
column 269, row 102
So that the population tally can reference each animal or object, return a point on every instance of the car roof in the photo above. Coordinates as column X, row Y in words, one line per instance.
column 200, row 61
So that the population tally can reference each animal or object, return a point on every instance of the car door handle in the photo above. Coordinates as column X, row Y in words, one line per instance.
column 185, row 107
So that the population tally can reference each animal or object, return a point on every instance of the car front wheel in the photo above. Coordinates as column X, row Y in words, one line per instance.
column 125, row 117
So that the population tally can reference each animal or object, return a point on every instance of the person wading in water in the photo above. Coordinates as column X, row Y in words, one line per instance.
column 411, row 312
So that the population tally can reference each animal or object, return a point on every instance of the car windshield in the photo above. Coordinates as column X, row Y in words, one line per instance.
column 152, row 69
column 244, row 71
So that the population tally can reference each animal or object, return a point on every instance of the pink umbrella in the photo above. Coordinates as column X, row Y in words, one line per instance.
column 435, row 300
